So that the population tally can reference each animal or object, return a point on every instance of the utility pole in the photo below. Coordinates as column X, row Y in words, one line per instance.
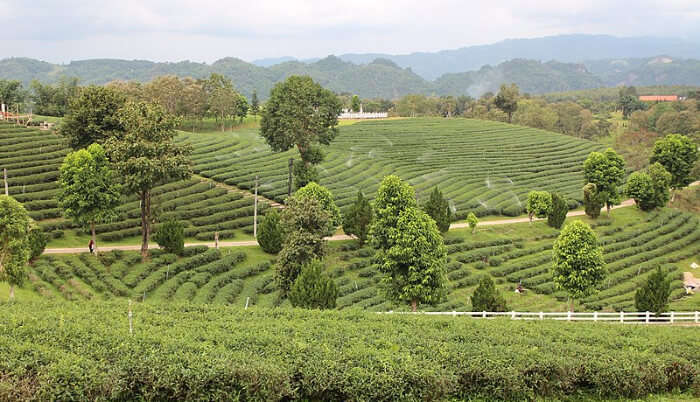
column 289, row 181
column 255, row 210
column 7, row 191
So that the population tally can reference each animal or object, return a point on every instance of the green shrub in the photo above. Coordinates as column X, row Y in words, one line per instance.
column 270, row 233
column 37, row 242
column 171, row 237
column 473, row 221
column 557, row 214
column 653, row 295
column 313, row 289
column 487, row 298
column 438, row 209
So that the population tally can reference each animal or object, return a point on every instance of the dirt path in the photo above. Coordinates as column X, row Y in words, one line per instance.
column 234, row 189
column 624, row 204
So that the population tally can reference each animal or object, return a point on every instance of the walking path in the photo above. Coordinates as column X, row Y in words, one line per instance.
column 243, row 243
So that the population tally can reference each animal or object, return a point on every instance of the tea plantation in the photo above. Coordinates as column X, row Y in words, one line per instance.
column 634, row 244
column 84, row 351
column 481, row 166
column 32, row 159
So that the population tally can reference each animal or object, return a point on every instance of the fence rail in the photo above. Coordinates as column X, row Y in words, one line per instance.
column 644, row 317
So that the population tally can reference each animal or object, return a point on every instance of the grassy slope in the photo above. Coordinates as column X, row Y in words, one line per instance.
column 485, row 167
column 635, row 243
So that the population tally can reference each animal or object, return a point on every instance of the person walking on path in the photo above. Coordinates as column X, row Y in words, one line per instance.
column 91, row 246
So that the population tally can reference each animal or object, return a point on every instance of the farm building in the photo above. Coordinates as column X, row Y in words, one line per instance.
column 659, row 98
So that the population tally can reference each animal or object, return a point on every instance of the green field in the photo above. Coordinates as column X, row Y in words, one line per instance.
column 83, row 351
column 33, row 157
column 634, row 244
column 481, row 166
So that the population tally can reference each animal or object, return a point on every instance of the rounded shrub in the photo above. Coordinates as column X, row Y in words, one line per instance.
column 171, row 237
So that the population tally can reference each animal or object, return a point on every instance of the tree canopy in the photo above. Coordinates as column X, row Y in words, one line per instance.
column 487, row 298
column 678, row 155
column 607, row 171
column 578, row 265
column 539, row 203
column 325, row 200
column 302, row 114
column 89, row 191
column 93, row 116
column 414, row 265
column 359, row 218
column 145, row 156
column 14, row 246
column 507, row 100
column 438, row 208
column 393, row 197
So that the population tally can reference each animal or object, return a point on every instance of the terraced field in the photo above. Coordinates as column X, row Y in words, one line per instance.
column 634, row 242
column 33, row 157
column 481, row 166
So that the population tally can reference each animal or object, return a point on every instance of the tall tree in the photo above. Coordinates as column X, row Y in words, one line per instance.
column 414, row 265
column 302, row 114
column 557, row 214
column 653, row 295
column 254, row 104
column 145, row 156
column 507, row 100
column 393, row 197
column 223, row 103
column 92, row 116
column 11, row 92
column 14, row 247
column 607, row 171
column 89, row 191
column 355, row 103
column 359, row 218
column 438, row 208
column 678, row 155
column 304, row 223
column 578, row 260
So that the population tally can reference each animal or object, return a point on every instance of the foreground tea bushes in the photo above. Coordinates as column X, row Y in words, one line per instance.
column 83, row 351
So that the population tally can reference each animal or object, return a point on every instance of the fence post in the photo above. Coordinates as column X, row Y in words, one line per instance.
column 568, row 315
column 454, row 313
column 512, row 315
column 483, row 314
column 541, row 315
column 131, row 325
column 247, row 299
column 647, row 318
column 696, row 317
column 595, row 316
column 622, row 316
column 671, row 317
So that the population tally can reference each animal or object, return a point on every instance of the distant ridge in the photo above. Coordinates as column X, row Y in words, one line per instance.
column 386, row 76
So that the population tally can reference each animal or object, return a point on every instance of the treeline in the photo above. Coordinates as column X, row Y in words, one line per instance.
column 189, row 98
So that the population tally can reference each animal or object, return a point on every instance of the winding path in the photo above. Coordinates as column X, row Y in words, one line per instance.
column 244, row 243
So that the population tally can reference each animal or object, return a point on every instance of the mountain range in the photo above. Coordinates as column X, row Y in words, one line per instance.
column 559, row 63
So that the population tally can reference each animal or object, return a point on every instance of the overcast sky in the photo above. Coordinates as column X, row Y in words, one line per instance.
column 207, row 30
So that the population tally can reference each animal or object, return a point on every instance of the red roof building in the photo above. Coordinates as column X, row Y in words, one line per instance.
column 658, row 98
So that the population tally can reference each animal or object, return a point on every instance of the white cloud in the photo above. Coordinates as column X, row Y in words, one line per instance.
column 206, row 30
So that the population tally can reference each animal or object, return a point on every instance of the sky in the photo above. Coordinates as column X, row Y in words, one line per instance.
column 206, row 30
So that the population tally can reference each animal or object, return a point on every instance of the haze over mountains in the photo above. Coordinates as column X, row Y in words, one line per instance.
column 556, row 63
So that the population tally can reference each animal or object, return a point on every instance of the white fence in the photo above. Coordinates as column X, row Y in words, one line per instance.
column 643, row 317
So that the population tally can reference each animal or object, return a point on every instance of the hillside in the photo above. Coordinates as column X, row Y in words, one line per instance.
column 32, row 159
column 378, row 78
column 481, row 166
column 562, row 48
column 634, row 243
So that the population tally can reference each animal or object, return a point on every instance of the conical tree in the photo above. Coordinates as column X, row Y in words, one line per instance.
column 14, row 247
column 557, row 214
column 270, row 233
column 313, row 289
column 487, row 298
column 438, row 209
column 359, row 218
column 653, row 296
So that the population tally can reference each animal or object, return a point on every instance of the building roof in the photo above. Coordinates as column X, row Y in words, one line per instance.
column 658, row 98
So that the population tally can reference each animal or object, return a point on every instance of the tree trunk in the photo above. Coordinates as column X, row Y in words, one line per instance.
column 673, row 195
column 12, row 292
column 608, row 208
column 414, row 305
column 510, row 117
column 145, row 222
column 222, row 122
column 94, row 238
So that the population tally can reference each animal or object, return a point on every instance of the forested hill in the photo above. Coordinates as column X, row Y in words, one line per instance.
column 380, row 78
